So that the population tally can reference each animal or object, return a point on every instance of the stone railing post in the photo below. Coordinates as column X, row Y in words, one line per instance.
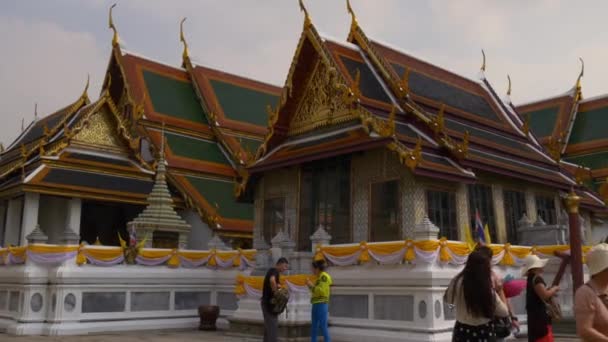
column 37, row 236
column 426, row 230
column 319, row 238
column 217, row 244
column 69, row 237
column 288, row 246
column 523, row 226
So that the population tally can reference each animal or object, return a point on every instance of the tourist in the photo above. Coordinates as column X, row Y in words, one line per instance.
column 537, row 294
column 319, row 298
column 475, row 301
column 497, row 285
column 589, row 302
column 271, row 285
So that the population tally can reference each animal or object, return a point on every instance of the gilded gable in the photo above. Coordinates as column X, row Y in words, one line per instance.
column 322, row 103
column 99, row 130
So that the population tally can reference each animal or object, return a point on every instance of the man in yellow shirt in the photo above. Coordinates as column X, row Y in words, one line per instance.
column 319, row 297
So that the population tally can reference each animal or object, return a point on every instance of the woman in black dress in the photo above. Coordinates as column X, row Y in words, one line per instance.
column 539, row 322
column 475, row 300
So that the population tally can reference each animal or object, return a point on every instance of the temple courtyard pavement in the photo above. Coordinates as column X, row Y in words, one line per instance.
column 160, row 336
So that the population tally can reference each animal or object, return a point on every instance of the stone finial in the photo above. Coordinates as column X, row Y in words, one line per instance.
column 540, row 221
column 278, row 239
column 69, row 237
column 524, row 221
column 426, row 230
column 217, row 243
column 37, row 236
column 320, row 237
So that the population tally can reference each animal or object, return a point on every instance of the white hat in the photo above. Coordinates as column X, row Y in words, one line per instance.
column 532, row 261
column 597, row 259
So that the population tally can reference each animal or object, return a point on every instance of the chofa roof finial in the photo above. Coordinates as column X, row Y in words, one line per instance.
column 483, row 64
column 307, row 20
column 111, row 26
column 509, row 87
column 182, row 38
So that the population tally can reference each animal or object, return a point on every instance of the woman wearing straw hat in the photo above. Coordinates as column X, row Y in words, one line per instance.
column 537, row 293
column 589, row 309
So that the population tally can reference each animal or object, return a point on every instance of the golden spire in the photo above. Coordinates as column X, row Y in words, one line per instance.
column 483, row 64
column 22, row 124
column 307, row 20
column 509, row 87
column 111, row 26
column 353, row 22
column 35, row 110
column 185, row 54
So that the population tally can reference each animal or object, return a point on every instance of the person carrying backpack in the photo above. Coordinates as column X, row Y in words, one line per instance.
column 319, row 297
column 272, row 284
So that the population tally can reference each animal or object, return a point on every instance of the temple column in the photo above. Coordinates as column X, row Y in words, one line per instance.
column 462, row 210
column 413, row 205
column 71, row 234
column 13, row 221
column 29, row 222
column 499, row 210
column 576, row 251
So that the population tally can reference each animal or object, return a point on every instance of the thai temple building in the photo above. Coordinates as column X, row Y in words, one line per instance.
column 180, row 184
column 90, row 166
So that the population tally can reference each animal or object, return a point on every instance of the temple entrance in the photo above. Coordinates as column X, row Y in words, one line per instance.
column 105, row 220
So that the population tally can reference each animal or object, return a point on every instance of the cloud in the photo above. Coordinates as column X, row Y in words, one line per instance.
column 45, row 64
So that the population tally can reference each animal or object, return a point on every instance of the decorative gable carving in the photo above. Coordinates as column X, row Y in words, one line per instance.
column 325, row 102
column 99, row 130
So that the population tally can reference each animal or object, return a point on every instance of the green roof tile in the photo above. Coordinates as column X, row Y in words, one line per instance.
column 594, row 161
column 591, row 125
column 243, row 104
column 174, row 98
column 222, row 193
column 543, row 121
column 196, row 149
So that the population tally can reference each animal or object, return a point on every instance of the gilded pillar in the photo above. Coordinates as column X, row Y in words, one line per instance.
column 576, row 251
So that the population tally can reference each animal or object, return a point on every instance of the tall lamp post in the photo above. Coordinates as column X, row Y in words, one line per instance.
column 576, row 250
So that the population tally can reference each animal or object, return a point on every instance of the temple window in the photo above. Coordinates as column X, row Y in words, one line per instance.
column 325, row 201
column 480, row 200
column 441, row 210
column 384, row 221
column 515, row 207
column 274, row 217
column 545, row 207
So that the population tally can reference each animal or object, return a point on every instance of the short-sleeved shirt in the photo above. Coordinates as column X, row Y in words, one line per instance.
column 538, row 319
column 267, row 289
column 587, row 303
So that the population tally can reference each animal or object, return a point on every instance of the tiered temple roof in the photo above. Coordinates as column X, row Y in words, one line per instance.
column 575, row 130
column 350, row 96
column 214, row 122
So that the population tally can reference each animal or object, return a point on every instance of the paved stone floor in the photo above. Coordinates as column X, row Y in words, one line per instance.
column 162, row 336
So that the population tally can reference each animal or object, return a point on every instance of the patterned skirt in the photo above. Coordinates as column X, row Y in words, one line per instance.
column 473, row 333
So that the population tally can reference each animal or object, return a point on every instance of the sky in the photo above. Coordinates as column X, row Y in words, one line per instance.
column 49, row 47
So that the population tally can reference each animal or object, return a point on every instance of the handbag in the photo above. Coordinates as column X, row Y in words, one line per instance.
column 502, row 326
column 552, row 308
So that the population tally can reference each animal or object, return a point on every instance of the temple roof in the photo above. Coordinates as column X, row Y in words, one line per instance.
column 388, row 97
